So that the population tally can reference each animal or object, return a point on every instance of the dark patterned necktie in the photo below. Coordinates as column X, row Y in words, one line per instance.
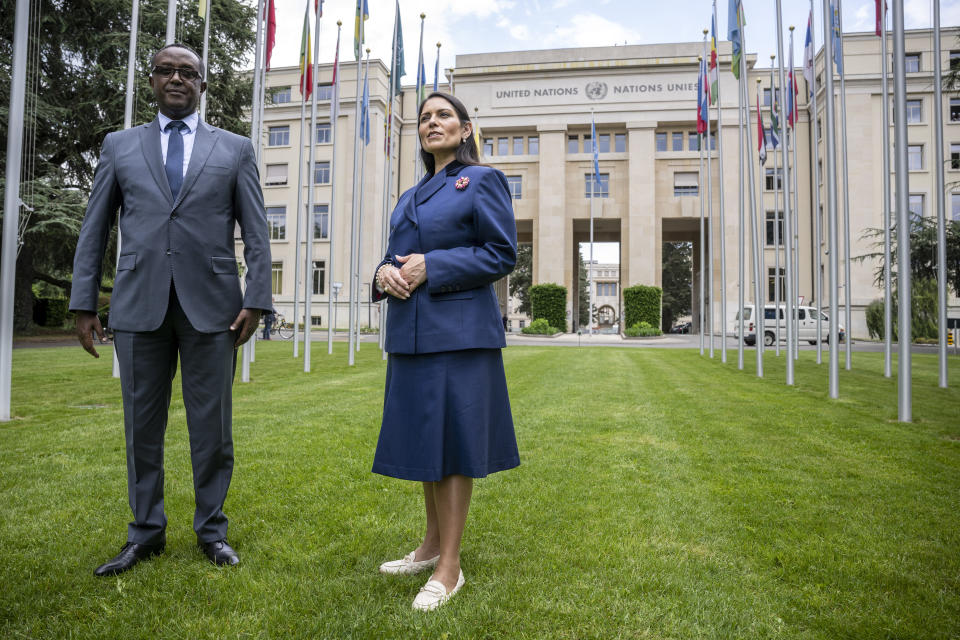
column 174, row 163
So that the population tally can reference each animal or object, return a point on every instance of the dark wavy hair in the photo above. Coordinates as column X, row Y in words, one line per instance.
column 467, row 152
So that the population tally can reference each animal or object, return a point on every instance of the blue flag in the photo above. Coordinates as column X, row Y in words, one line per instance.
column 735, row 24
column 596, row 154
column 436, row 71
column 835, row 37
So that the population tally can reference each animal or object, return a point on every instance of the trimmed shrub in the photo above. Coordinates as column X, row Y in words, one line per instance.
column 642, row 304
column 540, row 326
column 549, row 301
column 642, row 329
column 874, row 316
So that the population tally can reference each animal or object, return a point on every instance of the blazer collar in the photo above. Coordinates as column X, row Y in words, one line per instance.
column 430, row 185
column 150, row 145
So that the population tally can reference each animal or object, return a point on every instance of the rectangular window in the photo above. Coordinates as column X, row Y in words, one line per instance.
column 323, row 133
column 915, row 157
column 676, row 141
column 280, row 95
column 912, row 61
column 620, row 142
column 686, row 183
column 955, row 207
column 515, row 183
column 503, row 146
column 488, row 146
column 321, row 221
column 819, row 129
column 321, row 172
column 914, row 111
column 276, row 276
column 954, row 60
column 693, row 141
column 533, row 145
column 820, row 172
column 916, row 207
column 766, row 97
column 954, row 109
column 955, row 156
column 769, row 314
column 773, row 179
column 278, row 136
column 573, row 144
column 324, row 92
column 774, row 229
column 518, row 146
column 713, row 141
column 277, row 222
column 319, row 279
column 276, row 174
column 587, row 144
column 661, row 140
column 602, row 186
column 603, row 142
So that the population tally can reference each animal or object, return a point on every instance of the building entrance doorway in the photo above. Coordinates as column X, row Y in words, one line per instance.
column 680, row 272
column 602, row 277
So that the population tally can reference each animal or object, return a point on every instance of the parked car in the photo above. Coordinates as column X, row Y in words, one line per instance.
column 682, row 327
column 806, row 325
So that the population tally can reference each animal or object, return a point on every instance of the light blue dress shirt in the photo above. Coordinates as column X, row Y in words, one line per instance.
column 188, row 136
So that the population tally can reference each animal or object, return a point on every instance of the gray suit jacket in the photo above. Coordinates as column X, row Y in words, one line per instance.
column 188, row 242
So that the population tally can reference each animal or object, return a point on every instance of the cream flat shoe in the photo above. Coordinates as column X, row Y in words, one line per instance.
column 407, row 566
column 433, row 594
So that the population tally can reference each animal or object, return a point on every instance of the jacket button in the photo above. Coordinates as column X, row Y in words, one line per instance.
column 168, row 251
column 173, row 216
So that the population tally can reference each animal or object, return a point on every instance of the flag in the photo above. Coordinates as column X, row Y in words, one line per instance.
column 774, row 110
column 421, row 71
column 595, row 149
column 701, row 102
column 791, row 91
column 835, row 24
column 714, row 72
column 808, row 71
column 365, row 107
column 735, row 23
column 318, row 7
column 477, row 136
column 272, row 30
column 202, row 9
column 436, row 70
column 306, row 66
column 761, row 134
column 358, row 37
column 880, row 11
column 396, row 48
column 335, row 98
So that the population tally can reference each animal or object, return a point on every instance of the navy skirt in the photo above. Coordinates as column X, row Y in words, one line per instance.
column 446, row 413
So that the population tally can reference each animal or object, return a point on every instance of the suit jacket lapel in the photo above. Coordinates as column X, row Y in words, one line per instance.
column 150, row 145
column 203, row 144
column 426, row 191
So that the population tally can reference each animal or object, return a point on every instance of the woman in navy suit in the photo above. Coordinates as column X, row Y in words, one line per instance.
column 446, row 413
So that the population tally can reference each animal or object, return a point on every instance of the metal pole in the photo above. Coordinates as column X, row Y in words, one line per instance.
column 795, row 232
column 788, row 214
column 723, row 221
column 354, row 207
column 777, row 236
column 831, row 168
column 741, row 276
column 300, row 212
column 331, row 213
column 887, row 222
column 311, row 175
column 818, row 235
column 941, row 214
column 171, row 22
column 905, row 330
column 363, row 171
column 847, row 289
column 711, row 299
column 703, row 314
column 392, row 78
column 755, row 232
column 593, row 198
column 206, row 57
column 11, row 203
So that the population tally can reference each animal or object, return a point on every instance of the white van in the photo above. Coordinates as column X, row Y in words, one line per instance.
column 806, row 325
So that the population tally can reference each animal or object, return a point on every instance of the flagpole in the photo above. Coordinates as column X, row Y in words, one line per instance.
column 741, row 275
column 711, row 318
column 421, row 82
column 941, row 215
column 171, row 22
column 887, row 222
column 905, row 329
column 254, row 140
column 331, row 211
column 702, row 313
column 847, row 290
column 363, row 171
column 795, row 231
column 723, row 222
column 393, row 78
column 593, row 199
column 831, row 168
column 818, row 240
column 310, row 140
column 757, row 247
column 311, row 180
column 206, row 56
column 788, row 215
column 355, row 195
column 777, row 185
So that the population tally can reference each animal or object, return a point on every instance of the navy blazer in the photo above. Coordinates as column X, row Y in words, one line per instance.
column 468, row 237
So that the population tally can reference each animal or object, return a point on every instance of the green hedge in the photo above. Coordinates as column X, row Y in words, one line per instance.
column 549, row 301
column 50, row 312
column 642, row 329
column 540, row 327
column 642, row 304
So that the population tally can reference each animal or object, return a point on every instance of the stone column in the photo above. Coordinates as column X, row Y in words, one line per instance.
column 550, row 259
column 640, row 235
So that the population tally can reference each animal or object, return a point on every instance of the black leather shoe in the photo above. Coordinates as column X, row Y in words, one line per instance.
column 220, row 552
column 130, row 554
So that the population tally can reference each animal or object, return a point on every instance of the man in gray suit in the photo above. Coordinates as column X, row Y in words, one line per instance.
column 180, row 187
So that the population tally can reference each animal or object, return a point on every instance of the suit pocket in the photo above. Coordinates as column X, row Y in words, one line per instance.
column 127, row 262
column 224, row 266
column 217, row 169
column 453, row 295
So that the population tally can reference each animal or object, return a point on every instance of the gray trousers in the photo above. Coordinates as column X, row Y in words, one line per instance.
column 148, row 363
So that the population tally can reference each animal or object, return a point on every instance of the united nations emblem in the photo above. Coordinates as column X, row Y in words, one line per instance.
column 596, row 90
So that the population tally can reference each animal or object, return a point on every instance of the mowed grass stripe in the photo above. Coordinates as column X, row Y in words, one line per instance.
column 662, row 495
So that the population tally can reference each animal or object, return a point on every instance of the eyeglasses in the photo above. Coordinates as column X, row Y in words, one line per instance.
column 186, row 73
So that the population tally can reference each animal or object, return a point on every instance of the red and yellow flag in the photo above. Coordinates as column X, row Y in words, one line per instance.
column 306, row 64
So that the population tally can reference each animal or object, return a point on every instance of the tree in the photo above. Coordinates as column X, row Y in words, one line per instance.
column 677, row 274
column 522, row 277
column 583, row 295
column 76, row 79
column 923, row 253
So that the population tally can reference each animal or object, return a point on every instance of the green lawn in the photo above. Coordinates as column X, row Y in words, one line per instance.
column 662, row 495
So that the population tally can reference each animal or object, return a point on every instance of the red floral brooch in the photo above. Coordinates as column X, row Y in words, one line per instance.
column 462, row 183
